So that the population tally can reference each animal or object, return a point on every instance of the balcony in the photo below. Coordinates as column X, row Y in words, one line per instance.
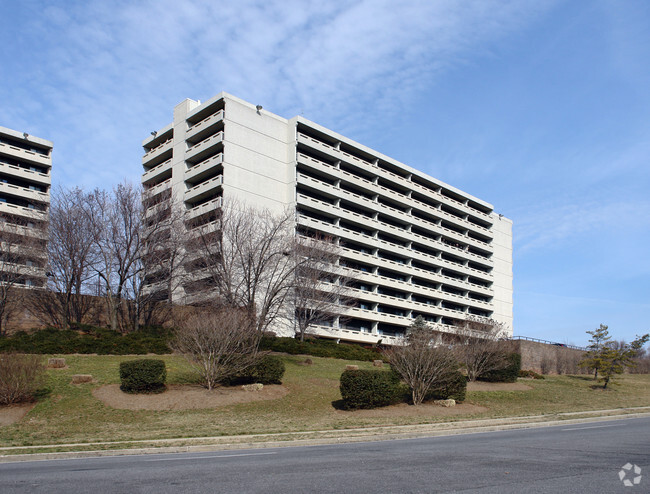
column 202, row 149
column 206, row 124
column 204, row 208
column 24, row 154
column 155, row 154
column 24, row 212
column 25, row 174
column 25, row 193
column 203, row 189
column 154, row 173
column 196, row 172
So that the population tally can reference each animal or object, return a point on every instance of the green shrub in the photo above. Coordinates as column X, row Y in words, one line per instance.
column 89, row 339
column 20, row 377
column 508, row 374
column 452, row 387
column 143, row 376
column 370, row 388
column 269, row 370
column 530, row 373
column 320, row 348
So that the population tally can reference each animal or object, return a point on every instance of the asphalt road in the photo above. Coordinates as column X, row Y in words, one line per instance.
column 573, row 458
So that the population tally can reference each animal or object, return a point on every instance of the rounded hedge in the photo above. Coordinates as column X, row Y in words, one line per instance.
column 143, row 376
column 370, row 388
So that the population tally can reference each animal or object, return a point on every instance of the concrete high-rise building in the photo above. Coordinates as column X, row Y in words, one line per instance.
column 25, row 165
column 415, row 245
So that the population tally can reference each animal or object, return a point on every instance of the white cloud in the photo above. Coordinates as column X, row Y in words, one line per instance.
column 103, row 73
column 547, row 227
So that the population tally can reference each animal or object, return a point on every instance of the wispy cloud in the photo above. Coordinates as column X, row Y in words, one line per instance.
column 544, row 227
column 97, row 76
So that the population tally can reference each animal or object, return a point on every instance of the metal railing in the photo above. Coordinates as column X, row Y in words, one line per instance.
column 547, row 342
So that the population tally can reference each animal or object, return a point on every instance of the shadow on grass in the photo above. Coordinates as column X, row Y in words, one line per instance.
column 340, row 405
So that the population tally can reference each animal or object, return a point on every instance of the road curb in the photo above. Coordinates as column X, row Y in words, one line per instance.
column 314, row 438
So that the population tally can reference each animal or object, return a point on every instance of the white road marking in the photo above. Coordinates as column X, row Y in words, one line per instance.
column 211, row 456
column 593, row 427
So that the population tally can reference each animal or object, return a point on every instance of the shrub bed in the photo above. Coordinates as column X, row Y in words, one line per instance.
column 320, row 348
column 531, row 374
column 89, row 339
column 370, row 388
column 508, row 374
column 269, row 370
column 20, row 377
column 143, row 376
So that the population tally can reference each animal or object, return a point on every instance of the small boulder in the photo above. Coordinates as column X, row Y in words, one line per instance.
column 351, row 367
column 56, row 363
column 445, row 403
column 81, row 378
column 378, row 363
column 253, row 387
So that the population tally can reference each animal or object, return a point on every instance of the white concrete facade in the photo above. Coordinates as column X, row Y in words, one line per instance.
column 25, row 180
column 415, row 245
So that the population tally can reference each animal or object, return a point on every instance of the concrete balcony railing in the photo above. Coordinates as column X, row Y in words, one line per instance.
column 203, row 167
column 204, row 208
column 24, row 192
column 25, row 174
column 153, row 173
column 157, row 151
column 24, row 154
column 27, row 213
column 195, row 151
column 205, row 124
column 203, row 188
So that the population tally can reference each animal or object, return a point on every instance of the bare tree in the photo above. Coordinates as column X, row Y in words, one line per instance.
column 159, row 271
column 245, row 260
column 22, row 251
column 479, row 347
column 218, row 344
column 71, row 254
column 118, row 244
column 321, row 288
column 421, row 360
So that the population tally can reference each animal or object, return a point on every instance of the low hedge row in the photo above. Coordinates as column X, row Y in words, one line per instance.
column 143, row 376
column 508, row 374
column 89, row 339
column 320, row 348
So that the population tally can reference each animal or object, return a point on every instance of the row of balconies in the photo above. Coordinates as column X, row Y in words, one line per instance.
column 376, row 188
column 434, row 274
column 380, row 172
column 406, row 235
column 335, row 191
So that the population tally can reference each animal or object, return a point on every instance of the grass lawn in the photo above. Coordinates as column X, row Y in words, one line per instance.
column 71, row 414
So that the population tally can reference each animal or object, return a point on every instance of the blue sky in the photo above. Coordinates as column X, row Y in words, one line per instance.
column 540, row 107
